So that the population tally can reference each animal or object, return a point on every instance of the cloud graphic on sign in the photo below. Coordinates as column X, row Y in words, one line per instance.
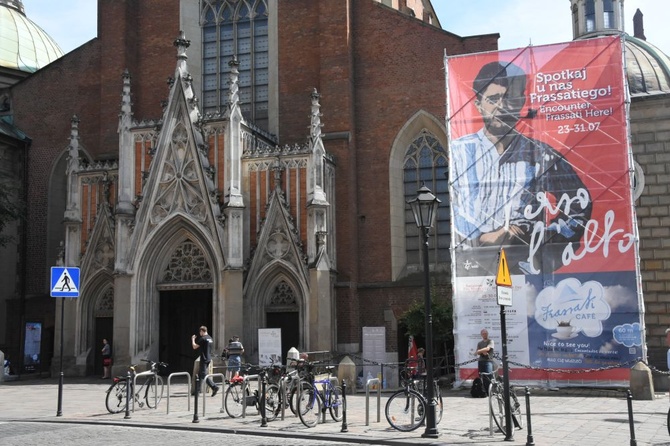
column 582, row 306
column 630, row 335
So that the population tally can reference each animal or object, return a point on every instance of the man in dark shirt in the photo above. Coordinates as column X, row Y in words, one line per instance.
column 205, row 345
column 485, row 354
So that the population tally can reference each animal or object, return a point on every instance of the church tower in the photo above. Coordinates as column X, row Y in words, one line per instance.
column 591, row 17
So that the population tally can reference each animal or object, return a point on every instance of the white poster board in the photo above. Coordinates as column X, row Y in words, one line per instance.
column 269, row 346
column 374, row 350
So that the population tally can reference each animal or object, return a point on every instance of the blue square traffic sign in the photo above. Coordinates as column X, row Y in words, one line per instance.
column 64, row 281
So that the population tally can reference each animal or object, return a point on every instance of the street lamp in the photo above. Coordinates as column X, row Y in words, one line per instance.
column 424, row 208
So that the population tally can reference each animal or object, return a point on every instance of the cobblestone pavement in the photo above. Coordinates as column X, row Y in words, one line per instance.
column 20, row 433
column 564, row 417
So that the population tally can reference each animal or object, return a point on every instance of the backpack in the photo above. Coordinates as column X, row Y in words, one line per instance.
column 477, row 390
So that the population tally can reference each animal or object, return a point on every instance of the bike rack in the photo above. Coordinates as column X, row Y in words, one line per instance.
column 222, row 390
column 245, row 386
column 137, row 375
column 282, row 390
column 188, row 376
column 369, row 384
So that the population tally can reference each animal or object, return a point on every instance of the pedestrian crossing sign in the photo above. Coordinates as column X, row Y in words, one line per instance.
column 64, row 281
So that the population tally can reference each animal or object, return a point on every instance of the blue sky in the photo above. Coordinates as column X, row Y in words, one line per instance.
column 519, row 22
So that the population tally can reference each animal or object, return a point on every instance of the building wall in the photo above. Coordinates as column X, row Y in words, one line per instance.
column 650, row 128
column 374, row 68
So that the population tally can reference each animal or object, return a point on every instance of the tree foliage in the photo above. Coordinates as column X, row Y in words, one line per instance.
column 443, row 324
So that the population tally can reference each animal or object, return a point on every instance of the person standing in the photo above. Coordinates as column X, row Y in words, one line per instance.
column 205, row 345
column 234, row 352
column 106, row 359
column 485, row 354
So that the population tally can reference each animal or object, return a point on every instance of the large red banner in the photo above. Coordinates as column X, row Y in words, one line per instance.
column 540, row 165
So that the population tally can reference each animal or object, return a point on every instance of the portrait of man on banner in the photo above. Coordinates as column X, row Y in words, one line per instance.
column 511, row 189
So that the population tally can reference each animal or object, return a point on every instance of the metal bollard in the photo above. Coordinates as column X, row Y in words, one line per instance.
column 633, row 441
column 529, row 436
column 128, row 396
column 345, row 428
column 195, row 399
column 264, row 419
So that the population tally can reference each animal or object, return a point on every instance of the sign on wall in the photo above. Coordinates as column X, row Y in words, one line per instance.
column 374, row 350
column 269, row 346
column 540, row 165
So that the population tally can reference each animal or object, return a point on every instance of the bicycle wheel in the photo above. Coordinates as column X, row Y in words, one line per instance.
column 234, row 400
column 272, row 402
column 293, row 395
column 154, row 391
column 336, row 403
column 439, row 407
column 309, row 407
column 668, row 421
column 116, row 397
column 497, row 405
column 405, row 410
column 516, row 410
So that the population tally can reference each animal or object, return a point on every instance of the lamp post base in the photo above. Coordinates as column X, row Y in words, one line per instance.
column 431, row 433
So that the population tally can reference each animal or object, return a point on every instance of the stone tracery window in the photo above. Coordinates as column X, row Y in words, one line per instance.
column 187, row 264
column 426, row 162
column 105, row 305
column 283, row 296
column 236, row 28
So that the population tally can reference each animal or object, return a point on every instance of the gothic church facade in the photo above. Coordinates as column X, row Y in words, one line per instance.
column 266, row 186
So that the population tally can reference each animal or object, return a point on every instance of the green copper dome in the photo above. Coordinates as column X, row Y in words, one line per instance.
column 24, row 46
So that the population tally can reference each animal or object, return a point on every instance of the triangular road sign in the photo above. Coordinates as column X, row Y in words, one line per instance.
column 64, row 282
column 503, row 278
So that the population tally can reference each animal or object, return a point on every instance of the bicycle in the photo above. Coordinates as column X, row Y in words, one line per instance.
column 289, row 380
column 312, row 402
column 497, row 402
column 238, row 396
column 406, row 409
column 117, row 392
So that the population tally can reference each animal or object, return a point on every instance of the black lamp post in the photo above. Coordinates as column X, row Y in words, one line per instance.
column 424, row 208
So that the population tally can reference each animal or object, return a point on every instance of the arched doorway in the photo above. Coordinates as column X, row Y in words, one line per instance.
column 282, row 312
column 182, row 312
column 104, row 327
column 186, row 303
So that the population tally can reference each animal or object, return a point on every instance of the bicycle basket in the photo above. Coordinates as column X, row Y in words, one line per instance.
column 163, row 369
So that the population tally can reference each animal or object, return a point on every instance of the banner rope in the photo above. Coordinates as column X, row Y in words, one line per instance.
column 518, row 365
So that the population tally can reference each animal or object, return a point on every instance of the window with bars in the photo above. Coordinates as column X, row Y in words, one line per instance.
column 236, row 29
column 426, row 163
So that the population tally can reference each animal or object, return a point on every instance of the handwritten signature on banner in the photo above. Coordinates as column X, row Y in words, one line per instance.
column 592, row 241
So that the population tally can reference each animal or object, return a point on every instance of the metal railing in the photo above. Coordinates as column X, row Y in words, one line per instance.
column 188, row 377
column 368, row 385
column 222, row 390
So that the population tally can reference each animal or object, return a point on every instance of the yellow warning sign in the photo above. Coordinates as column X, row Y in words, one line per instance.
column 503, row 278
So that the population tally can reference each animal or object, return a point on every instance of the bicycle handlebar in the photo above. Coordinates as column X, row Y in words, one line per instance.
column 154, row 363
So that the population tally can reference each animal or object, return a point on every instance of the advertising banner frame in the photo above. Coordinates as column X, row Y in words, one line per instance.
column 541, row 164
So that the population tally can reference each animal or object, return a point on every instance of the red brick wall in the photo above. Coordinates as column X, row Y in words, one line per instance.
column 374, row 68
column 43, row 105
column 87, row 82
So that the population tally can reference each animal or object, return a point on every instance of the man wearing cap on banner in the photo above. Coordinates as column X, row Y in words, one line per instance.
column 506, row 184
